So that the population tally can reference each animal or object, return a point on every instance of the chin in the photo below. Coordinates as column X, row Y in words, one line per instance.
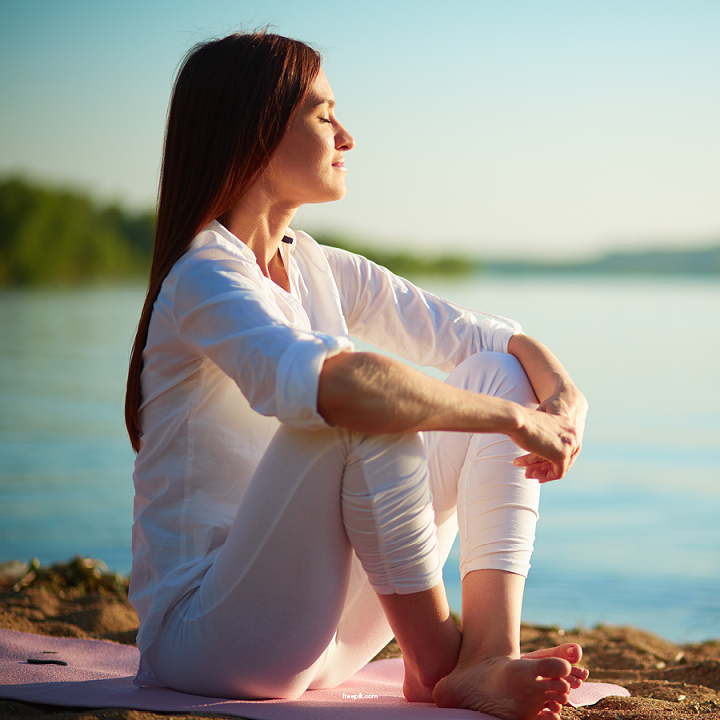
column 340, row 192
column 332, row 196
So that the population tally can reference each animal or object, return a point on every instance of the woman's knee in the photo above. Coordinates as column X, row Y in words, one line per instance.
column 388, row 513
column 497, row 374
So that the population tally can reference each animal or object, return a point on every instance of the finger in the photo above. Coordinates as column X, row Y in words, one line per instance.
column 545, row 477
column 548, row 475
column 523, row 460
column 537, row 471
column 543, row 470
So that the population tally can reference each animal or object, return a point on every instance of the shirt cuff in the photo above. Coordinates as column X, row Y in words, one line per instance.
column 298, row 376
column 496, row 334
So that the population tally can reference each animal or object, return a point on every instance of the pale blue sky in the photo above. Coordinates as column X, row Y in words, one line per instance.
column 503, row 127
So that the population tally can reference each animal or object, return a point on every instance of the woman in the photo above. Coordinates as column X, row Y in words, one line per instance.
column 295, row 500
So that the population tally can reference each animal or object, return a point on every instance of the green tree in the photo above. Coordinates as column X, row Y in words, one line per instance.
column 60, row 236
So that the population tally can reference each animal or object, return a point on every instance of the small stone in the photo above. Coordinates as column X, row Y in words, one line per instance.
column 660, row 665
column 12, row 571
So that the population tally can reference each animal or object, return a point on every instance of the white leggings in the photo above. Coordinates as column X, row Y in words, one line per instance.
column 331, row 518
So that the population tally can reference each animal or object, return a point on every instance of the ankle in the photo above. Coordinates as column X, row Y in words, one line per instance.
column 473, row 652
column 423, row 677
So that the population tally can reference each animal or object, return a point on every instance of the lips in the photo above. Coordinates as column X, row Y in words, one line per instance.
column 340, row 165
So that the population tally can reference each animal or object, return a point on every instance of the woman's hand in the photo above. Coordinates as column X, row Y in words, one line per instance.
column 559, row 398
column 568, row 408
column 568, row 402
column 552, row 444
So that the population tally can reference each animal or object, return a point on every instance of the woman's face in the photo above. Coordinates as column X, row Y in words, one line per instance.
column 308, row 165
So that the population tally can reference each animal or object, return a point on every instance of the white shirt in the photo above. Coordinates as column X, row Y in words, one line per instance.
column 229, row 355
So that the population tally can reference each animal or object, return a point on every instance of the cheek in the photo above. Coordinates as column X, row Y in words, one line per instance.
column 303, row 157
column 316, row 150
column 306, row 155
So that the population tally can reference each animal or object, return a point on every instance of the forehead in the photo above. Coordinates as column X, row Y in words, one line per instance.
column 320, row 91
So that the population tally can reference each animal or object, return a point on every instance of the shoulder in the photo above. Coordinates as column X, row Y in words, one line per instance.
column 215, row 249
column 214, row 263
column 339, row 260
column 215, row 243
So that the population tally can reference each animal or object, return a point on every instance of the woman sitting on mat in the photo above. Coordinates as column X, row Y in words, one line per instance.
column 295, row 500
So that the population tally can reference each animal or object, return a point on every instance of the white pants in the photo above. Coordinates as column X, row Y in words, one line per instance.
column 331, row 518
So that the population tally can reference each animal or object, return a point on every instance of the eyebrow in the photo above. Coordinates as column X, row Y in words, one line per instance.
column 325, row 101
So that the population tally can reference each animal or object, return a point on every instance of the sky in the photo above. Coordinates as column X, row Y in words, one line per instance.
column 543, row 129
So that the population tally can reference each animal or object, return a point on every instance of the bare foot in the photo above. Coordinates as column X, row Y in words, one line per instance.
column 413, row 688
column 571, row 652
column 527, row 688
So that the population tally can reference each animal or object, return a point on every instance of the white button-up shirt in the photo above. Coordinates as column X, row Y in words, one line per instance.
column 229, row 355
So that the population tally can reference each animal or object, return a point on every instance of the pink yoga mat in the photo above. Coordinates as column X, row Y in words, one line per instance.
column 99, row 674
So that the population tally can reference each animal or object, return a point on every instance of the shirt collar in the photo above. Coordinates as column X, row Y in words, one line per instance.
column 289, row 238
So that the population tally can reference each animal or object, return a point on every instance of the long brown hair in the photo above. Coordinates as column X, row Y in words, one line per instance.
column 232, row 101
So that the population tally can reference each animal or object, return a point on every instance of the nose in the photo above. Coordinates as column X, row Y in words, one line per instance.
column 344, row 140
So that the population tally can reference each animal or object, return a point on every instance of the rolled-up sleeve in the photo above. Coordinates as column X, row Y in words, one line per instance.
column 224, row 314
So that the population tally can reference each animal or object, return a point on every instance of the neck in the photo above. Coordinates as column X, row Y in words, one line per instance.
column 261, row 227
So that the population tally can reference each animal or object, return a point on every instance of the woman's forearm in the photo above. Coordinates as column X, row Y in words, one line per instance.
column 555, row 391
column 373, row 393
column 546, row 374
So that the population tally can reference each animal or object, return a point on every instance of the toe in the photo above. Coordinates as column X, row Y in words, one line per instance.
column 552, row 667
column 553, row 707
column 577, row 677
column 571, row 652
column 557, row 690
column 546, row 714
column 568, row 651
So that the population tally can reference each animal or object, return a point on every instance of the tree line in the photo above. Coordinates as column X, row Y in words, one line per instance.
column 59, row 236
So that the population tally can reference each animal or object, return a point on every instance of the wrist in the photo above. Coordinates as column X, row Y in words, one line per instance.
column 514, row 418
column 569, row 401
column 568, row 393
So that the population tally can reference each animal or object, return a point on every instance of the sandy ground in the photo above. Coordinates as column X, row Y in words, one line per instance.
column 79, row 599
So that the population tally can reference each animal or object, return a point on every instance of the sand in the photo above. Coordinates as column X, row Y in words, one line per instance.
column 80, row 599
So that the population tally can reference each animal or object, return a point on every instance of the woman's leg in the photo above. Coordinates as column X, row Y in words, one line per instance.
column 497, row 511
column 491, row 675
column 283, row 607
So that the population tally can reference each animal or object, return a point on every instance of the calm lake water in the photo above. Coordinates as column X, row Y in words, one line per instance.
column 632, row 535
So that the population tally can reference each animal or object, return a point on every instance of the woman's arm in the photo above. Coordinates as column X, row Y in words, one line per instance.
column 556, row 392
column 392, row 313
column 372, row 393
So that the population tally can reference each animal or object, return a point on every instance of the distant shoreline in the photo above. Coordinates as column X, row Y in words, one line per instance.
column 82, row 242
column 702, row 261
